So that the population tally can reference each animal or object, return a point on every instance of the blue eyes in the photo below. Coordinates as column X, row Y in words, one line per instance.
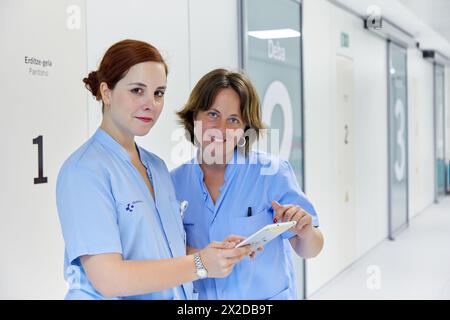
column 214, row 116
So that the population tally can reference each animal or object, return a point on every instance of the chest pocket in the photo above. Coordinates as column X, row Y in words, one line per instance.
column 246, row 226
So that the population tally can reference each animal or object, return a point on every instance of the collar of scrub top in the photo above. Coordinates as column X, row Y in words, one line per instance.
column 232, row 166
column 104, row 138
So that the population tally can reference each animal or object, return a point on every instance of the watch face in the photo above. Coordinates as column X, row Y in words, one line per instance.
column 202, row 273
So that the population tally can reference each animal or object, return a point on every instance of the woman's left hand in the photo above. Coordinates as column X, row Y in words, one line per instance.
column 236, row 240
column 291, row 212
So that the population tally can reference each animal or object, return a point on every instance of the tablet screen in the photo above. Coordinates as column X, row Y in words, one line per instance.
column 266, row 234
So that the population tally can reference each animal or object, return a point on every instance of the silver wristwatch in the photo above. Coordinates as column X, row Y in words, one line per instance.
column 202, row 273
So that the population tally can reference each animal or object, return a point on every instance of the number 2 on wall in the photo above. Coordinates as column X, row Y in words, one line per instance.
column 40, row 179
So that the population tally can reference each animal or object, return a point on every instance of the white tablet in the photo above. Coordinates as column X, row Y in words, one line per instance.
column 266, row 234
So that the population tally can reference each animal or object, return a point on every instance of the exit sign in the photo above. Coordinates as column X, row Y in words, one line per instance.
column 345, row 40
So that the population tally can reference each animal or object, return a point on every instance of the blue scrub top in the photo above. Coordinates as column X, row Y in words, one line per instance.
column 104, row 206
column 271, row 274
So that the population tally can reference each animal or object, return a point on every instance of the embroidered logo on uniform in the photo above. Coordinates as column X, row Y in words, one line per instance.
column 130, row 206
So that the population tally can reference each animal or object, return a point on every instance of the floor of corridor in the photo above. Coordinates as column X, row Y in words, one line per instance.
column 414, row 266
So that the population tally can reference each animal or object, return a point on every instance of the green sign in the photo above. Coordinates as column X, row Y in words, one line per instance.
column 345, row 40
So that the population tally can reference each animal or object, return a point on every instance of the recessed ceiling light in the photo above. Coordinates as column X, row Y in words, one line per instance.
column 274, row 34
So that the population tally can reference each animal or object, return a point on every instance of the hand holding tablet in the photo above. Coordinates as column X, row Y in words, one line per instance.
column 266, row 234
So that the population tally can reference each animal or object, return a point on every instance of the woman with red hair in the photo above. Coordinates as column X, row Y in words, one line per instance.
column 121, row 223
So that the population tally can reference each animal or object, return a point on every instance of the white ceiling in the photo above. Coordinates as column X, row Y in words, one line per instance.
column 435, row 13
column 427, row 20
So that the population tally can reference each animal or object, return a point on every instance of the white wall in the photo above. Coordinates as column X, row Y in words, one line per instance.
column 318, row 131
column 421, row 132
column 213, row 36
column 52, row 105
column 371, row 138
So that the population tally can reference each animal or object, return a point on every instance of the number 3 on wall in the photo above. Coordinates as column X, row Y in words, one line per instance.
column 40, row 179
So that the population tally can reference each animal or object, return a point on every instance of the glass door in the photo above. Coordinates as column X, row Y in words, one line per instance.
column 439, row 125
column 398, row 139
column 271, row 55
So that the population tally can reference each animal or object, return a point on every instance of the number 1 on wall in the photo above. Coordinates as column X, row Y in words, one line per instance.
column 40, row 179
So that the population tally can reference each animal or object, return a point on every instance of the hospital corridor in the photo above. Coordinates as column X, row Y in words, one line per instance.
column 241, row 150
column 415, row 266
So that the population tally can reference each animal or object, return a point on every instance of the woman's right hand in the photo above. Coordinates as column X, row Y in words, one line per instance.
column 220, row 258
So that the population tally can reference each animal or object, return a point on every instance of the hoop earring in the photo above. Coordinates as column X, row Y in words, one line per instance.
column 241, row 144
